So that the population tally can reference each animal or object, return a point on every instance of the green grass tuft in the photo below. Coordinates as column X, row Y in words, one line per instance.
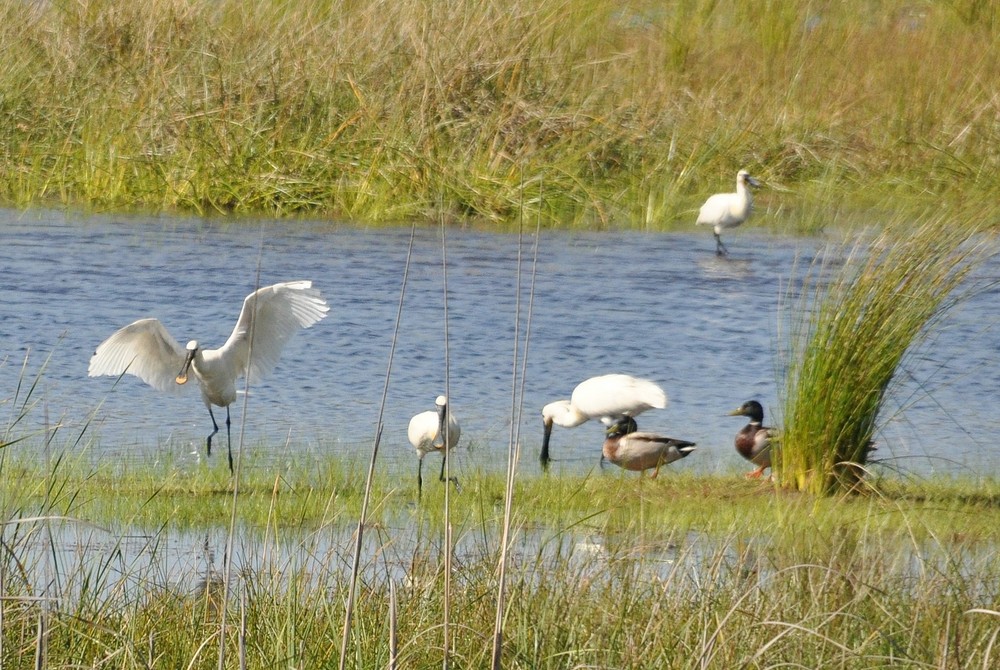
column 853, row 326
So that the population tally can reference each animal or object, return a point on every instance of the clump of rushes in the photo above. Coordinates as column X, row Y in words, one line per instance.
column 853, row 328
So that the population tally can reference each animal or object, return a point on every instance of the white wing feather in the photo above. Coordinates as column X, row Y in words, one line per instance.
column 144, row 349
column 617, row 395
column 275, row 313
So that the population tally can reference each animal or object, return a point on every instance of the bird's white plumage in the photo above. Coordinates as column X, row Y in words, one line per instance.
column 728, row 210
column 145, row 349
column 605, row 397
column 423, row 429
column 271, row 314
column 425, row 434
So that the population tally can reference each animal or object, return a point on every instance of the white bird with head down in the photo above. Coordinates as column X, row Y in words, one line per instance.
column 607, row 397
column 728, row 210
column 269, row 318
column 428, row 432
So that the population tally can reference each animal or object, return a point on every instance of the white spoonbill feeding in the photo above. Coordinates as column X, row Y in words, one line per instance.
column 269, row 318
column 607, row 397
column 428, row 432
column 629, row 449
column 728, row 210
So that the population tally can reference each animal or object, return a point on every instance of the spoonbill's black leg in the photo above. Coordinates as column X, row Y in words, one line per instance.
column 229, row 442
column 420, row 481
column 208, row 444
column 720, row 248
column 450, row 479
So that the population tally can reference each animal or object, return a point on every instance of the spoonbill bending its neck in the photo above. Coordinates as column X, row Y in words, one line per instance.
column 269, row 318
column 429, row 431
column 728, row 210
column 607, row 397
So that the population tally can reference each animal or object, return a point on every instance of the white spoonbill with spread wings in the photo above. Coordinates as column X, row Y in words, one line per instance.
column 728, row 210
column 607, row 397
column 269, row 318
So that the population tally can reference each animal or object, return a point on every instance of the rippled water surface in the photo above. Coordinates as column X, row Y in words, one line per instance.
column 654, row 305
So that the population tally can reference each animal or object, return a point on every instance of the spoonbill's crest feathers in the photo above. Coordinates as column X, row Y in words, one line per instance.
column 145, row 349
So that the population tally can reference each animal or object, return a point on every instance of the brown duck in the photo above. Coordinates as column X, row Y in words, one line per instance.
column 629, row 449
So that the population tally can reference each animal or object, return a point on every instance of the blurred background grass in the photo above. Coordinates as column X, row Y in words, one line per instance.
column 601, row 113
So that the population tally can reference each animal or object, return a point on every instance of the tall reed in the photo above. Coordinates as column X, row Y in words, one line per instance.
column 853, row 327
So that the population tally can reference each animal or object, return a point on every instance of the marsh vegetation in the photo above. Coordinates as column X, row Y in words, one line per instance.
column 605, row 571
column 605, row 113
column 587, row 114
column 849, row 331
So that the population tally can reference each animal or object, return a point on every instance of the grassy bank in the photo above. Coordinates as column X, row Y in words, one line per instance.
column 606, row 571
column 586, row 112
column 314, row 494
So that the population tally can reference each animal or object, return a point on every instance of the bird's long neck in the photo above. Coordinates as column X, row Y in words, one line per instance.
column 571, row 417
column 217, row 387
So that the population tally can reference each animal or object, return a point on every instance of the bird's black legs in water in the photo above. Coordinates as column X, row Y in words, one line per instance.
column 720, row 248
column 229, row 442
column 208, row 444
column 420, row 481
column 229, row 437
column 450, row 479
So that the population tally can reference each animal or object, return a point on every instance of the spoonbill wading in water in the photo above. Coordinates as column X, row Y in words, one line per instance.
column 269, row 318
column 629, row 449
column 429, row 431
column 607, row 397
column 728, row 210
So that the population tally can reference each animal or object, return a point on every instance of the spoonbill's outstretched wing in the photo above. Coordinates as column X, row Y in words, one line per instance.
column 144, row 349
column 271, row 315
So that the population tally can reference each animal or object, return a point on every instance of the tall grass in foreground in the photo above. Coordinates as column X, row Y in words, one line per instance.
column 603, row 571
column 385, row 111
column 856, row 324
column 808, row 590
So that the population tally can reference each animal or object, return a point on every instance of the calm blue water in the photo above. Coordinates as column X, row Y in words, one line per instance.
column 654, row 305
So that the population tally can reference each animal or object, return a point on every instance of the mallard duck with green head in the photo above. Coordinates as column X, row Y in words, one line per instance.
column 754, row 441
